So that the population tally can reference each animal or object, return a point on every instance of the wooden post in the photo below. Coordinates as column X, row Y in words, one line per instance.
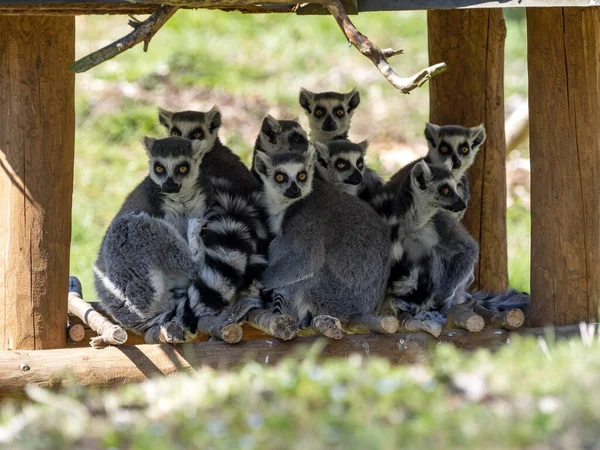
column 471, row 92
column 564, row 105
column 37, row 132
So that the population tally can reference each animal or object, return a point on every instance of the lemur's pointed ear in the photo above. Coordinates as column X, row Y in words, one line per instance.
column 148, row 143
column 270, row 128
column 420, row 174
column 477, row 136
column 352, row 100
column 262, row 163
column 213, row 119
column 165, row 117
column 310, row 156
column 307, row 100
column 322, row 151
column 199, row 148
column 364, row 145
column 432, row 134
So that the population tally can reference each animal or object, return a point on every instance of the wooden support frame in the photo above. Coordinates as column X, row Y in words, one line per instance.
column 37, row 134
column 564, row 105
column 470, row 92
column 119, row 365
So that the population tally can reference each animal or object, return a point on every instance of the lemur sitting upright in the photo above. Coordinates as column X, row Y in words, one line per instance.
column 342, row 164
column 330, row 254
column 452, row 147
column 329, row 116
column 237, row 196
column 145, row 264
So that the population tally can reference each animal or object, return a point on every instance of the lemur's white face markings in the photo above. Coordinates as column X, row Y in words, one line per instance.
column 329, row 113
column 287, row 177
column 453, row 147
column 174, row 163
column 434, row 187
column 277, row 136
column 342, row 162
column 193, row 125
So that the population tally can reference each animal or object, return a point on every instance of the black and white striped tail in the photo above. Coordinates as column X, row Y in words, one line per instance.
column 503, row 301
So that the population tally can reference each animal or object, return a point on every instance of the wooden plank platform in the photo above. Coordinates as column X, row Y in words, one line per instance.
column 119, row 365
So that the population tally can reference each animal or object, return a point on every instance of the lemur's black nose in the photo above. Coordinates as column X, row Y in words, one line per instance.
column 355, row 178
column 456, row 162
column 329, row 124
column 293, row 191
column 458, row 205
column 170, row 187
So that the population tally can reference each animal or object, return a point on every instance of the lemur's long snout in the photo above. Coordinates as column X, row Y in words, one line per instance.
column 170, row 187
column 293, row 191
column 329, row 124
column 355, row 178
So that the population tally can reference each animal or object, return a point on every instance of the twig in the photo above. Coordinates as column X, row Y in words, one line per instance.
column 222, row 327
column 324, row 325
column 368, row 324
column 511, row 320
column 462, row 316
column 277, row 325
column 409, row 323
column 377, row 55
column 143, row 32
column 108, row 332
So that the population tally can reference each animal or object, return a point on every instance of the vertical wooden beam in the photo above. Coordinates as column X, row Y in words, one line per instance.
column 471, row 92
column 37, row 132
column 564, row 105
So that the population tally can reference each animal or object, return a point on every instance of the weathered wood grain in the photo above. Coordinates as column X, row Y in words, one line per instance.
column 126, row 364
column 564, row 104
column 471, row 92
column 37, row 131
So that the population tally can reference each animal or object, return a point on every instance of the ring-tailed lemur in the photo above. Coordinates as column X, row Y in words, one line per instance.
column 277, row 136
column 330, row 254
column 432, row 255
column 452, row 147
column 329, row 113
column 237, row 196
column 342, row 164
column 145, row 262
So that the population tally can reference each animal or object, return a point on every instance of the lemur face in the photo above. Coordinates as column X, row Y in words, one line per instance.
column 174, row 162
column 193, row 125
column 435, row 187
column 453, row 147
column 287, row 177
column 281, row 136
column 329, row 113
column 342, row 161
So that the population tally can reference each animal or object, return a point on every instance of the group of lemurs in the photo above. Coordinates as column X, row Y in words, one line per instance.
column 309, row 229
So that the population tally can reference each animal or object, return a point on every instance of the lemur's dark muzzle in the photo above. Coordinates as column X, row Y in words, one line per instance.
column 293, row 191
column 355, row 178
column 170, row 187
column 456, row 162
column 329, row 124
column 458, row 205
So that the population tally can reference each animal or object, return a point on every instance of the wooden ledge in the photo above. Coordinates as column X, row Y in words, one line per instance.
column 119, row 365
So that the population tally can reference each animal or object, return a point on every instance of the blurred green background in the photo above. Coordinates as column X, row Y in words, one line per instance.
column 251, row 65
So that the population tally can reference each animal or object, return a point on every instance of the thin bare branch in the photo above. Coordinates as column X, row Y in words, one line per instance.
column 143, row 32
column 377, row 55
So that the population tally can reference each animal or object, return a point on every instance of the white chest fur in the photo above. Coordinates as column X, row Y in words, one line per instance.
column 415, row 243
column 181, row 207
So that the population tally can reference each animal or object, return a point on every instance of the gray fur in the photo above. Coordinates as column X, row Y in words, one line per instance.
column 451, row 139
column 504, row 301
column 342, row 164
column 329, row 113
column 331, row 251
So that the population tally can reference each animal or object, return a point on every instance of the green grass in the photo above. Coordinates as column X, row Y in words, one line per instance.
column 521, row 397
column 249, row 65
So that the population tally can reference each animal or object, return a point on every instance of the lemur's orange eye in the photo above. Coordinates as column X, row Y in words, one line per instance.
column 183, row 169
column 341, row 165
column 446, row 191
column 464, row 150
column 319, row 113
column 360, row 165
column 444, row 149
column 159, row 169
column 174, row 133
column 339, row 112
column 302, row 176
column 197, row 135
column 279, row 178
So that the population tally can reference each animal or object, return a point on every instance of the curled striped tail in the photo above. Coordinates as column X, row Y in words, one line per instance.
column 503, row 301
